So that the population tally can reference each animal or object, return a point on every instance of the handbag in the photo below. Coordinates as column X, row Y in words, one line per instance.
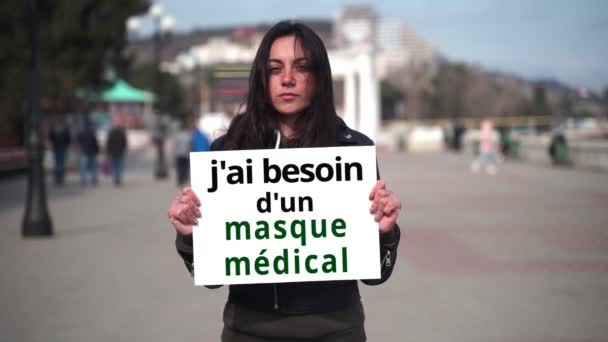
column 105, row 167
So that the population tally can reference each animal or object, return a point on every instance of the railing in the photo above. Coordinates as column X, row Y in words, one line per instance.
column 13, row 158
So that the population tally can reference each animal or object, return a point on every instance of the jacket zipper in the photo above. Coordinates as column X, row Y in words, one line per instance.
column 387, row 259
column 277, row 145
column 276, row 298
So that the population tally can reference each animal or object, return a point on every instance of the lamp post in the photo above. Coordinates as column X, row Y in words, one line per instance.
column 36, row 219
column 163, row 26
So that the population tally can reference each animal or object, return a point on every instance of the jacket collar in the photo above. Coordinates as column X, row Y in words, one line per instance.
column 345, row 134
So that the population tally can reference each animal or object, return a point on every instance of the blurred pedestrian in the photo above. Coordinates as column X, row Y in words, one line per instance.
column 89, row 149
column 487, row 149
column 200, row 141
column 116, row 148
column 60, row 139
column 290, row 105
column 158, row 138
column 459, row 131
column 182, row 145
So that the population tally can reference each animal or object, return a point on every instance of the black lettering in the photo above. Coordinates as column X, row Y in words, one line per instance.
column 306, row 169
column 291, row 208
column 236, row 175
column 213, row 187
column 319, row 172
column 288, row 171
column 263, row 203
column 358, row 168
column 268, row 178
column 301, row 203
column 338, row 169
column 249, row 172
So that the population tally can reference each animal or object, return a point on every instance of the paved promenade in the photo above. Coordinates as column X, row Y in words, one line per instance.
column 520, row 256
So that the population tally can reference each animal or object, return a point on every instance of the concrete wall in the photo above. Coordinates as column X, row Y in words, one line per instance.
column 534, row 149
column 592, row 154
column 589, row 154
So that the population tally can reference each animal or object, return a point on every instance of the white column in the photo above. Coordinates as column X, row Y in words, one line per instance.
column 350, row 99
column 369, row 95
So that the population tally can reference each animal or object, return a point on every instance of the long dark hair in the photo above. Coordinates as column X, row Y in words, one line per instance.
column 317, row 124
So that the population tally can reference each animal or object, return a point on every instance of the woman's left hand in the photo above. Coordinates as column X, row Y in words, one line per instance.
column 386, row 207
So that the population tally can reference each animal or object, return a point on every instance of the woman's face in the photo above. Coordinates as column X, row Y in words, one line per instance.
column 289, row 77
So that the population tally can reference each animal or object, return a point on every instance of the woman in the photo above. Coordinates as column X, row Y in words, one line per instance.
column 487, row 155
column 290, row 104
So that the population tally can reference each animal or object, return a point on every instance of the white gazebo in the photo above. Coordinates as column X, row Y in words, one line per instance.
column 356, row 67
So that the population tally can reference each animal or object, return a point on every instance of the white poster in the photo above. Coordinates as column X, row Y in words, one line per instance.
column 286, row 215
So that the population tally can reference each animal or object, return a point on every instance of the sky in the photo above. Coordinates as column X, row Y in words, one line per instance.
column 550, row 39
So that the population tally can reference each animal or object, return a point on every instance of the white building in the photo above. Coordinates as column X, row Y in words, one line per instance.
column 367, row 50
column 399, row 47
column 218, row 50
column 354, row 25
column 389, row 35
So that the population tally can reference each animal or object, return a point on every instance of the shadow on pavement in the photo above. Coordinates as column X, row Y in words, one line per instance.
column 88, row 230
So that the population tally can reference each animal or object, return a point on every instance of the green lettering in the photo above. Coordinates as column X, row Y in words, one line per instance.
column 263, row 230
column 278, row 226
column 296, row 260
column 322, row 233
column 329, row 266
column 237, row 226
column 302, row 233
column 344, row 260
column 338, row 224
column 281, row 258
column 238, row 262
column 307, row 264
column 261, row 262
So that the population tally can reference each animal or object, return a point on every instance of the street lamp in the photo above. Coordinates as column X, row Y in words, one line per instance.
column 36, row 219
column 163, row 26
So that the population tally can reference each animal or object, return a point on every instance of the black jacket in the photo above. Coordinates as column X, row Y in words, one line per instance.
column 87, row 139
column 305, row 297
column 60, row 137
column 116, row 145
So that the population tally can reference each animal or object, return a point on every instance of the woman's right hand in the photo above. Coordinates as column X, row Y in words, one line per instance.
column 184, row 211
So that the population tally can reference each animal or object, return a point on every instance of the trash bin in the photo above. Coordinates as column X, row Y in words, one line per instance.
column 558, row 150
column 513, row 149
column 401, row 143
column 561, row 153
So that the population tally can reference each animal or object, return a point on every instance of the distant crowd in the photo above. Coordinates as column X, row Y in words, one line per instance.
column 109, row 159
column 89, row 162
